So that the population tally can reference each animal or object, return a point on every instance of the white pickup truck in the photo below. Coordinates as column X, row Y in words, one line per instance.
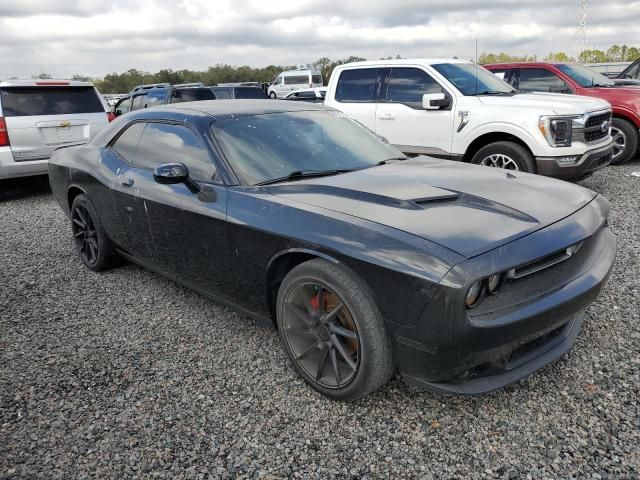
column 450, row 108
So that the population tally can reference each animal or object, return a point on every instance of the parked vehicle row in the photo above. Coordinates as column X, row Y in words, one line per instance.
column 463, row 278
column 454, row 109
column 576, row 79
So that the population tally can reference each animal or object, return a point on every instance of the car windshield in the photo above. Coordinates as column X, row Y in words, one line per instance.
column 263, row 148
column 584, row 76
column 472, row 79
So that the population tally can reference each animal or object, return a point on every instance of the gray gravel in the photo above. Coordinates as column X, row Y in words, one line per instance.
column 125, row 374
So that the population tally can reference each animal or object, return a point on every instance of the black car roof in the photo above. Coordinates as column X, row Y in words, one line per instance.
column 221, row 109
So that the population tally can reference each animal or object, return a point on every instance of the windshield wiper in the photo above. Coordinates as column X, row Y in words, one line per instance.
column 301, row 174
column 492, row 92
column 391, row 160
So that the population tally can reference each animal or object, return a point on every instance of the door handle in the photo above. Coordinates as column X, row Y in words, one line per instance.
column 127, row 182
column 386, row 116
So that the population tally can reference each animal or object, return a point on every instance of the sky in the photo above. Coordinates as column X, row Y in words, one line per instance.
column 94, row 37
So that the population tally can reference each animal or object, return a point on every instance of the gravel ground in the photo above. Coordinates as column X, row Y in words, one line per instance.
column 125, row 374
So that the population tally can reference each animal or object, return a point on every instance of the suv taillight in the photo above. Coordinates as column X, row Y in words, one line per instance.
column 4, row 135
column 111, row 116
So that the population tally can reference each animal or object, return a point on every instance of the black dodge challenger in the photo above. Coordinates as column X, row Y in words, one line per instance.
column 463, row 278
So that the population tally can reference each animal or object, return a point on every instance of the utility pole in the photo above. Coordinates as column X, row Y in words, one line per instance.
column 581, row 33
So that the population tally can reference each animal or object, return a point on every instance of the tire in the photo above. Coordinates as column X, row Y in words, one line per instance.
column 273, row 95
column 92, row 244
column 625, row 139
column 510, row 154
column 310, row 340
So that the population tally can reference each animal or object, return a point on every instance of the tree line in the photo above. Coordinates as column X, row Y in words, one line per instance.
column 224, row 73
column 615, row 53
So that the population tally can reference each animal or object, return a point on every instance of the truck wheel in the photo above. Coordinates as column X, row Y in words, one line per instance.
column 273, row 95
column 625, row 141
column 506, row 155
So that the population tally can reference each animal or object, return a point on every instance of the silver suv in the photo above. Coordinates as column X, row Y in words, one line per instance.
column 38, row 116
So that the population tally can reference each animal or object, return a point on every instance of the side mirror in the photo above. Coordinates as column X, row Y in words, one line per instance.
column 171, row 173
column 559, row 90
column 435, row 101
column 174, row 173
column 117, row 113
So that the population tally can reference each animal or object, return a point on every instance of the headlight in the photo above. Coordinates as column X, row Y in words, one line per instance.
column 494, row 282
column 557, row 130
column 473, row 294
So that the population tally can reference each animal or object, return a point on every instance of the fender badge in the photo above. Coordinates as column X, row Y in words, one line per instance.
column 64, row 124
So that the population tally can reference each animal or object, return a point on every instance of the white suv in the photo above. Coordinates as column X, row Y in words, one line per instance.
column 38, row 116
column 454, row 109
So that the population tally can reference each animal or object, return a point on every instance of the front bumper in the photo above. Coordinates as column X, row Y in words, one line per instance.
column 9, row 168
column 535, row 322
column 588, row 163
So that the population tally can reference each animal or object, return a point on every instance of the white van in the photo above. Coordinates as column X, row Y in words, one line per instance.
column 292, row 80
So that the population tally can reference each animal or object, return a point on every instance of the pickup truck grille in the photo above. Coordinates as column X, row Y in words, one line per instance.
column 593, row 127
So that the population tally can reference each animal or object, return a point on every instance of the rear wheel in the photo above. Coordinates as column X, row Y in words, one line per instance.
column 92, row 243
column 625, row 141
column 332, row 331
column 505, row 155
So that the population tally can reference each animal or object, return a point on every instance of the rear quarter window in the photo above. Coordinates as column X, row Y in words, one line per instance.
column 249, row 92
column 357, row 85
column 32, row 101
column 192, row 95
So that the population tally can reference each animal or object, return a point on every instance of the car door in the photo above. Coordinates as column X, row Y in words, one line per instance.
column 188, row 228
column 402, row 120
column 541, row 80
column 279, row 87
column 357, row 93
column 135, row 226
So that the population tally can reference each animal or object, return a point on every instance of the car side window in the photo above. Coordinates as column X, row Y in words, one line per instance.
column 124, row 106
column 633, row 71
column 137, row 102
column 126, row 144
column 407, row 85
column 358, row 86
column 169, row 143
column 541, row 80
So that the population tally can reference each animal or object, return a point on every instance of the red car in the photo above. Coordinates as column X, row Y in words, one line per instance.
column 580, row 80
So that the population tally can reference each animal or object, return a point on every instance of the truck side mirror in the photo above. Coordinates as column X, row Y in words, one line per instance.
column 435, row 101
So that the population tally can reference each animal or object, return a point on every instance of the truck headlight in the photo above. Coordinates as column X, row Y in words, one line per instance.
column 557, row 130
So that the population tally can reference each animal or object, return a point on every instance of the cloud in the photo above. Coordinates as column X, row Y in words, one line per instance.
column 63, row 37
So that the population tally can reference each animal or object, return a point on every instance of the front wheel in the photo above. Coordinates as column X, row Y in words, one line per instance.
column 625, row 141
column 91, row 241
column 505, row 155
column 273, row 95
column 332, row 331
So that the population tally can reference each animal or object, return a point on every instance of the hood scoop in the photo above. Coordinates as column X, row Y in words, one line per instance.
column 405, row 196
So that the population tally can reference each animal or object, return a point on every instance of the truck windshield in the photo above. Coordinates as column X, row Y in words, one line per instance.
column 585, row 77
column 473, row 79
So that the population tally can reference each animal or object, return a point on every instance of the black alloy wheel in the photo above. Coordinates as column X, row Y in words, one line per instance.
column 91, row 241
column 333, row 331
column 85, row 235
column 321, row 334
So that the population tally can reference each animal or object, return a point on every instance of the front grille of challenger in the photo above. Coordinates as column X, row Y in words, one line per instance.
column 535, row 279
column 593, row 127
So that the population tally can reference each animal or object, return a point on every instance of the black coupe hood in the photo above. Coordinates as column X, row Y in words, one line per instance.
column 466, row 208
